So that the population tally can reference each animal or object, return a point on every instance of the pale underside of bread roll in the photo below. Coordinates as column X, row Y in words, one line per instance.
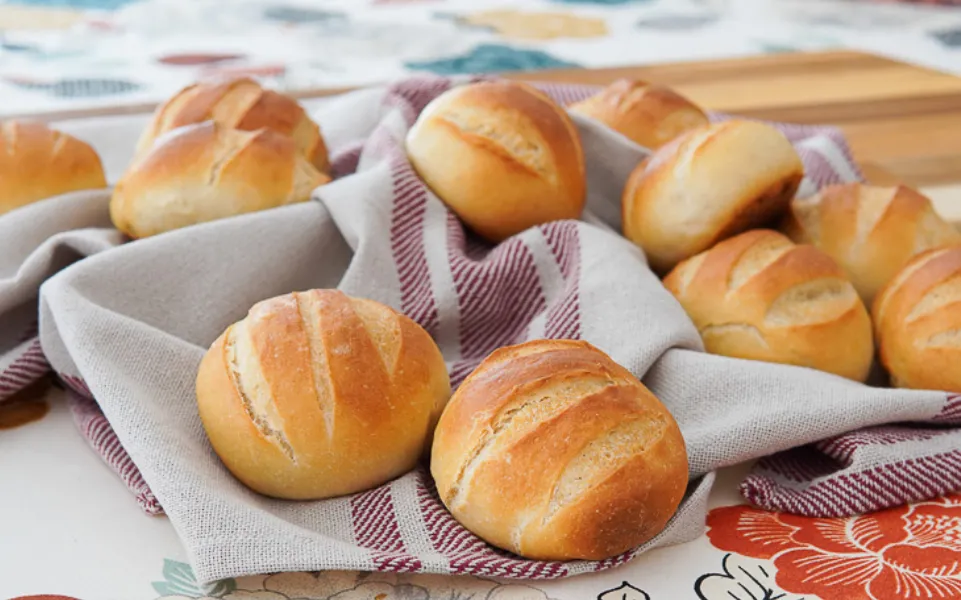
column 501, row 155
column 917, row 320
column 316, row 394
column 649, row 115
column 205, row 172
column 870, row 231
column 37, row 162
column 553, row 451
column 758, row 296
column 238, row 104
column 707, row 185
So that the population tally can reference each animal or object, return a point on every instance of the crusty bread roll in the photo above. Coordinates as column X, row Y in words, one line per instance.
column 204, row 172
column 917, row 320
column 239, row 103
column 870, row 231
column 649, row 115
column 37, row 162
column 503, row 156
column 317, row 394
column 707, row 185
column 553, row 451
column 761, row 297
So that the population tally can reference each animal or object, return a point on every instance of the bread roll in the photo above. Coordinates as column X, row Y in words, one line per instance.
column 649, row 115
column 205, row 172
column 317, row 394
column 761, row 297
column 553, row 451
column 238, row 104
column 37, row 162
column 501, row 155
column 870, row 231
column 707, row 185
column 917, row 320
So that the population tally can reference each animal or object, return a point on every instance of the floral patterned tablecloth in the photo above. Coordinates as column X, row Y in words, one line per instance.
column 69, row 526
column 70, row 54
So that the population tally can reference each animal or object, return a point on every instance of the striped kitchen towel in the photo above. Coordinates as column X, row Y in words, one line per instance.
column 128, row 327
column 23, row 364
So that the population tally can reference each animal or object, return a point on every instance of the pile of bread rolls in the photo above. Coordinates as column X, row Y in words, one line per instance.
column 216, row 150
column 803, row 297
column 316, row 394
column 854, row 268
column 705, row 208
column 549, row 449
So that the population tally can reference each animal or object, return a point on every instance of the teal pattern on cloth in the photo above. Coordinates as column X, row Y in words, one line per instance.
column 298, row 14
column 491, row 58
column 78, row 4
column 949, row 37
column 677, row 22
column 77, row 88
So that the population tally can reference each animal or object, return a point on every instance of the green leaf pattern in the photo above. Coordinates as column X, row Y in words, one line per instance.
column 180, row 584
column 178, row 580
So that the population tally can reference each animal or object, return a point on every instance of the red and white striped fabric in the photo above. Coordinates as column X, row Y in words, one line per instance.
column 97, row 431
column 131, row 330
column 22, row 365
column 861, row 471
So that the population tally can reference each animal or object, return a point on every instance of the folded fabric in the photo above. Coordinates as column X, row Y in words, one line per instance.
column 128, row 327
column 36, row 241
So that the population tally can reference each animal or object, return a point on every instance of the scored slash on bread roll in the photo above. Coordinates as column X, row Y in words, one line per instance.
column 553, row 451
column 707, row 185
column 317, row 394
column 870, row 231
column 243, row 104
column 205, row 172
column 502, row 155
column 759, row 296
column 917, row 320
column 649, row 115
column 37, row 162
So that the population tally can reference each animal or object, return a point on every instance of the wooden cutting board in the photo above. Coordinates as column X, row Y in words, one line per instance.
column 903, row 121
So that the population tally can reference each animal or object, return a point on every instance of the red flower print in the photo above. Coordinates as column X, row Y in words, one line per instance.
column 903, row 553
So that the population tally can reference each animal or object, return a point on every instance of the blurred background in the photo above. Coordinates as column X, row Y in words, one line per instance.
column 58, row 55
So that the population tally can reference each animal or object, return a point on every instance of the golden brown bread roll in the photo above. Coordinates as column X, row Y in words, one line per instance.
column 553, row 451
column 37, row 162
column 870, row 231
column 917, row 320
column 204, row 172
column 238, row 104
column 317, row 394
column 502, row 155
column 707, row 185
column 649, row 115
column 761, row 297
